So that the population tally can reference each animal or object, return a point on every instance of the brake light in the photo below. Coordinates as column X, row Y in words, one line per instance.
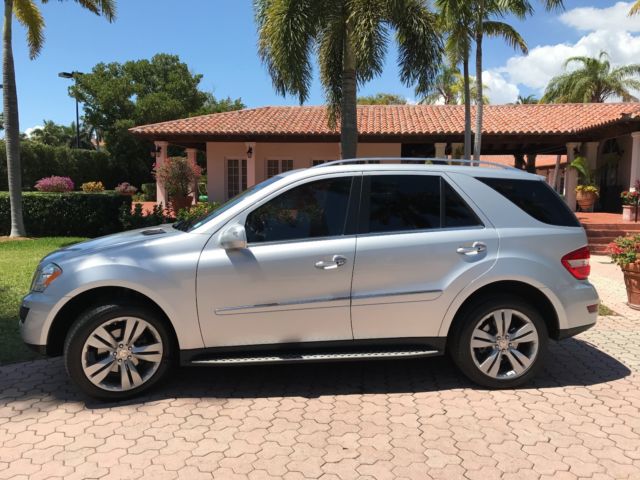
column 577, row 263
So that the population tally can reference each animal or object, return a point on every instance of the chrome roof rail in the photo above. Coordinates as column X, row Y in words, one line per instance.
column 421, row 161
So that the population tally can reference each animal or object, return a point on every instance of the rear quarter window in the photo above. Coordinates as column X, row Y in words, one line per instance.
column 536, row 198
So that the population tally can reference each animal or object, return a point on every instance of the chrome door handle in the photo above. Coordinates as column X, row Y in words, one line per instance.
column 336, row 261
column 474, row 249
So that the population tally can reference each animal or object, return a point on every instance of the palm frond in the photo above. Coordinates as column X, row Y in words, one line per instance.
column 30, row 17
column 104, row 8
column 635, row 8
column 507, row 33
column 369, row 37
column 331, row 38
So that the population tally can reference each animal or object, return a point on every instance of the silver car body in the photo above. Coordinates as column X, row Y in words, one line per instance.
column 398, row 285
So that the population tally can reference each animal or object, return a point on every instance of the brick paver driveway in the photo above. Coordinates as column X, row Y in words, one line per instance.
column 401, row 419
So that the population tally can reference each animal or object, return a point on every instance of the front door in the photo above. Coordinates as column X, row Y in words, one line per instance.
column 420, row 243
column 292, row 283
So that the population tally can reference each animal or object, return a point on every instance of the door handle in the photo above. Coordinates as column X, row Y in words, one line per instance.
column 474, row 249
column 335, row 262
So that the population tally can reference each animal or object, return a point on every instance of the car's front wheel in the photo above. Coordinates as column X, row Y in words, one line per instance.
column 113, row 352
column 500, row 343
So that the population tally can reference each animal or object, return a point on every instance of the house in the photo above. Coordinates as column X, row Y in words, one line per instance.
column 247, row 146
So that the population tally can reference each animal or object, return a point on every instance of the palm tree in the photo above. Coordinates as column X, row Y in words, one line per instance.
column 593, row 81
column 635, row 8
column 449, row 87
column 28, row 14
column 483, row 12
column 529, row 99
column 350, row 38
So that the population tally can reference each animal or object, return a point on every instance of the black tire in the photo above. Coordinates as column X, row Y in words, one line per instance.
column 86, row 324
column 463, row 328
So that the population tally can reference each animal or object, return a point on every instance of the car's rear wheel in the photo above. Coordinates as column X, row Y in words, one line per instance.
column 114, row 352
column 499, row 343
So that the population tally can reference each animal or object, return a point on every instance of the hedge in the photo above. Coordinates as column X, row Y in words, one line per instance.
column 75, row 214
column 39, row 160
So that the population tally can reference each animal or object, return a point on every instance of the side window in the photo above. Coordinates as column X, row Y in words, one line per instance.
column 536, row 198
column 456, row 212
column 315, row 209
column 402, row 202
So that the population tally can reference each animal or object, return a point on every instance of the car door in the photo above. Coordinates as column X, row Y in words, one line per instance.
column 292, row 283
column 419, row 243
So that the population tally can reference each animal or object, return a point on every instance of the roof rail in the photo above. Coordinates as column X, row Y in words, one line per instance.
column 422, row 161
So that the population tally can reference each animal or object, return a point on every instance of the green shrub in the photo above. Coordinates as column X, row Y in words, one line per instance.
column 66, row 214
column 192, row 215
column 139, row 219
column 148, row 192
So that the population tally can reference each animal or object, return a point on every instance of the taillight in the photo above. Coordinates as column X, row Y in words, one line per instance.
column 577, row 263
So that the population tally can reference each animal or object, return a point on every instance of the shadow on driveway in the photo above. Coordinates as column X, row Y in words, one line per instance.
column 572, row 362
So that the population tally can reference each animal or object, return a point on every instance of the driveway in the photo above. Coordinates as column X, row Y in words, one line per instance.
column 388, row 419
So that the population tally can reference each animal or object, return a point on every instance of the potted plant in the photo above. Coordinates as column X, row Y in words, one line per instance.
column 125, row 188
column 586, row 191
column 624, row 253
column 630, row 199
column 178, row 175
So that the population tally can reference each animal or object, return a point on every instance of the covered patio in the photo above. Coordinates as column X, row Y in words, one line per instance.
column 247, row 146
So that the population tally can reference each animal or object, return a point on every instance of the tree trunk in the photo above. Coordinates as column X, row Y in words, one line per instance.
column 348, row 114
column 11, row 125
column 467, row 107
column 477, row 144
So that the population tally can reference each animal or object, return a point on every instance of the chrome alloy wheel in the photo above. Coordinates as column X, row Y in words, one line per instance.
column 504, row 344
column 122, row 354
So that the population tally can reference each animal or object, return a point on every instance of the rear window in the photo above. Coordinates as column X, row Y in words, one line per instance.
column 536, row 198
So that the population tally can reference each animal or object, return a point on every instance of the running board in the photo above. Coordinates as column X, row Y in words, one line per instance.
column 291, row 357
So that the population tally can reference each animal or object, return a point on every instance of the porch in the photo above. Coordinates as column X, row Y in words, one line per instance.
column 603, row 228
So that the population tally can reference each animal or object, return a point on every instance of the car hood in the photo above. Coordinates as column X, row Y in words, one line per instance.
column 119, row 240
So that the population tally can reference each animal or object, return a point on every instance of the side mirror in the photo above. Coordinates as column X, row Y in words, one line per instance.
column 233, row 238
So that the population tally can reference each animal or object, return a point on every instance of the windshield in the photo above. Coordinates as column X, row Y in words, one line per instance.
column 193, row 223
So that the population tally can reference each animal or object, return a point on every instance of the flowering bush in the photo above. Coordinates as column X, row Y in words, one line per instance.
column 54, row 184
column 178, row 176
column 587, row 189
column 624, row 250
column 93, row 187
column 125, row 188
column 630, row 197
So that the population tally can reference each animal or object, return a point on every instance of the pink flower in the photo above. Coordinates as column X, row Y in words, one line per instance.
column 54, row 184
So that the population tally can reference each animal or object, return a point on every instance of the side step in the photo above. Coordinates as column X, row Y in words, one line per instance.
column 291, row 357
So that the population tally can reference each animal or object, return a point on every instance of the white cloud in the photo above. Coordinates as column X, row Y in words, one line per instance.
column 498, row 89
column 30, row 130
column 612, row 18
column 610, row 29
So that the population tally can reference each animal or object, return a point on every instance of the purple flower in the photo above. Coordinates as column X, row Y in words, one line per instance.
column 55, row 184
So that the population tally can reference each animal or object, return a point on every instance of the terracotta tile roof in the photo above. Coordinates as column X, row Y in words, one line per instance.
column 399, row 120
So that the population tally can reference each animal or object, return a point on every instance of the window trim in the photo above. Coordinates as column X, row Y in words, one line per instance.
column 363, row 214
column 353, row 205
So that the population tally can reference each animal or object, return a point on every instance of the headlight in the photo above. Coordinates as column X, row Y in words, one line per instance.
column 44, row 276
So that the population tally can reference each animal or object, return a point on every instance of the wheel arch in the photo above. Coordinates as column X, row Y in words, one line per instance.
column 530, row 293
column 69, row 312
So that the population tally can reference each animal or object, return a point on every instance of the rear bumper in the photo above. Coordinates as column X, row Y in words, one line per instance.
column 574, row 303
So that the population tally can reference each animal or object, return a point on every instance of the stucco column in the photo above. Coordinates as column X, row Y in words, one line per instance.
column 251, row 163
column 161, row 157
column 571, row 177
column 634, row 173
column 591, row 153
column 192, row 156
column 440, row 150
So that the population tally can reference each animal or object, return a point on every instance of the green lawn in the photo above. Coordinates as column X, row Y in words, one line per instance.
column 18, row 260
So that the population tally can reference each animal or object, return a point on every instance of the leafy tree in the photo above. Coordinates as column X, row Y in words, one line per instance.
column 57, row 135
column 449, row 87
column 119, row 96
column 593, row 81
column 382, row 99
column 350, row 38
column 29, row 16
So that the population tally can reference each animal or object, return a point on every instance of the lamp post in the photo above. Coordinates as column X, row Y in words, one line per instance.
column 74, row 75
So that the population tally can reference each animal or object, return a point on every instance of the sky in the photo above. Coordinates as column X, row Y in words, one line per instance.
column 217, row 38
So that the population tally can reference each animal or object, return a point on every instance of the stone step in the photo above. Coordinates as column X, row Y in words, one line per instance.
column 631, row 227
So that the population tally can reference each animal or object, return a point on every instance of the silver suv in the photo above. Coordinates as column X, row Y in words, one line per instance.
column 349, row 261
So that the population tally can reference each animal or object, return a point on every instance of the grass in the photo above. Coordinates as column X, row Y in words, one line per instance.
column 605, row 311
column 18, row 261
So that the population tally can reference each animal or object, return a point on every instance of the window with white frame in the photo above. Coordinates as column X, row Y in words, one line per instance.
column 236, row 176
column 274, row 167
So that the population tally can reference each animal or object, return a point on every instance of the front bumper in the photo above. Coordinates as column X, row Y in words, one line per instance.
column 36, row 312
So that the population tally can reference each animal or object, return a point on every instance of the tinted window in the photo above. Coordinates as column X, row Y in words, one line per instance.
column 315, row 209
column 456, row 212
column 536, row 198
column 403, row 202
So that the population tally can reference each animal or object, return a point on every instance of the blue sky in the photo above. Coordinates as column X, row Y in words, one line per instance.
column 217, row 38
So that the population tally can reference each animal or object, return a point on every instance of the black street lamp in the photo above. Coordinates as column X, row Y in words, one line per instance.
column 74, row 75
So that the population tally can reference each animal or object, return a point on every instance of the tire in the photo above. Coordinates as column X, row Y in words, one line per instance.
column 96, row 351
column 496, row 365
